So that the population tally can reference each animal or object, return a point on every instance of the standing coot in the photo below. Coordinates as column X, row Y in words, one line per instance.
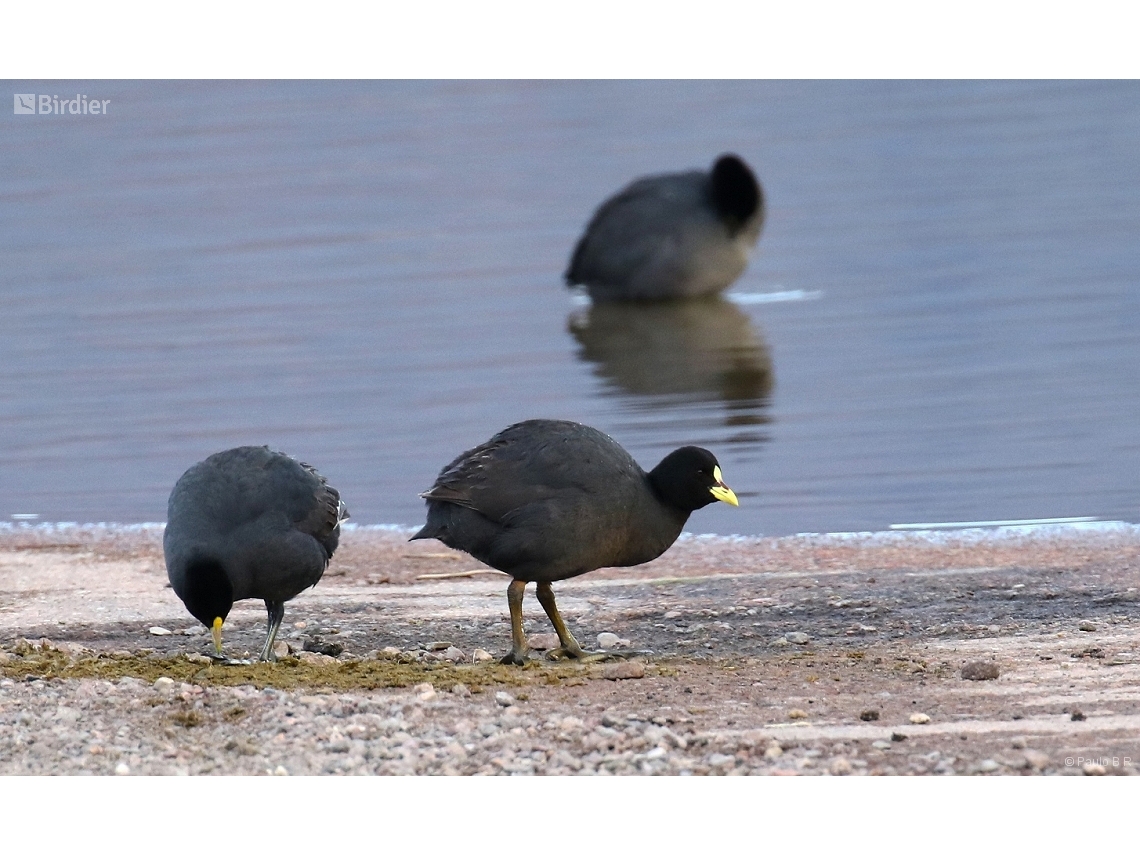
column 685, row 234
column 545, row 500
column 249, row 523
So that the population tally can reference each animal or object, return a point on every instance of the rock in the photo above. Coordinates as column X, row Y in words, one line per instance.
column 898, row 737
column 325, row 648
column 1019, row 742
column 196, row 629
column 1036, row 759
column 716, row 759
column 388, row 652
column 919, row 718
column 840, row 766
column 608, row 640
column 633, row 670
column 881, row 744
column 437, row 646
column 1077, row 715
column 281, row 771
column 481, row 655
column 122, row 769
column 980, row 670
column 281, row 649
column 1094, row 769
column 773, row 751
column 672, row 614
column 797, row 637
column 797, row 714
column 454, row 654
column 424, row 691
column 543, row 641
column 989, row 765
column 779, row 642
column 869, row 715
column 164, row 686
column 460, row 690
column 1086, row 626
column 159, row 630
column 310, row 658
column 656, row 753
column 504, row 699
column 198, row 659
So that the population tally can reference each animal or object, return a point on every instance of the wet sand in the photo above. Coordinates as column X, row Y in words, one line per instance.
column 810, row 654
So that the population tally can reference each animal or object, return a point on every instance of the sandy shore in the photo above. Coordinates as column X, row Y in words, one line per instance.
column 838, row 654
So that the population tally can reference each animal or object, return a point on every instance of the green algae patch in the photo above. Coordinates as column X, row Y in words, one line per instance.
column 288, row 674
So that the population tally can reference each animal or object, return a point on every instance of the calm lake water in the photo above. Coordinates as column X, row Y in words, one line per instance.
column 368, row 276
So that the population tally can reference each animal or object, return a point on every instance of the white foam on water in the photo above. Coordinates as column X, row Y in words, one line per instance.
column 753, row 298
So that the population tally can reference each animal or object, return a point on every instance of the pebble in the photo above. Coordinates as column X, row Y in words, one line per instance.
column 919, row 718
column 989, row 765
column 840, row 766
column 608, row 640
column 796, row 714
column 1019, row 742
column 633, row 670
column 196, row 629
column 481, row 655
column 797, row 637
column 454, row 654
column 460, row 690
column 1036, row 759
column 281, row 649
column 869, row 715
column 504, row 699
column 1077, row 715
column 1086, row 626
column 424, row 691
column 881, row 744
column 159, row 630
column 1094, row 769
column 773, row 751
column 122, row 769
column 672, row 614
column 543, row 641
column 980, row 670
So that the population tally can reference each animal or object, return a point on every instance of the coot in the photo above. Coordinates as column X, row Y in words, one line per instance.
column 545, row 500
column 686, row 234
column 249, row 523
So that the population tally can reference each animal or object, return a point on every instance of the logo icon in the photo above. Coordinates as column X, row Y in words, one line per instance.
column 24, row 104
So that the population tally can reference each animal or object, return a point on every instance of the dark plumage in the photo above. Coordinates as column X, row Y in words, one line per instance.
column 249, row 523
column 546, row 500
column 686, row 234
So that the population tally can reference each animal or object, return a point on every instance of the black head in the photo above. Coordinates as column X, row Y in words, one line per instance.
column 735, row 190
column 208, row 594
column 689, row 478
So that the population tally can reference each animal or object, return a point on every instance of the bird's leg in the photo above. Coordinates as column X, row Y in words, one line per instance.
column 276, row 615
column 570, row 646
column 517, row 656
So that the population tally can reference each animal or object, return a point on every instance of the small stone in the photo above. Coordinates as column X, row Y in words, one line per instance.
column 1094, row 769
column 797, row 714
column 1077, row 716
column 504, row 699
column 898, row 737
column 717, row 759
column 656, row 753
column 281, row 649
column 481, row 655
column 388, row 652
column 989, row 765
column 608, row 640
column 1037, row 759
column 1086, row 626
column 919, row 718
column 196, row 629
column 672, row 614
column 980, row 670
column 454, row 654
column 460, row 690
column 543, row 641
column 437, row 646
column 797, row 637
column 325, row 648
column 122, row 769
column 198, row 659
column 164, row 686
column 840, row 766
column 1019, row 742
column 159, row 630
column 310, row 658
column 881, row 744
column 869, row 715
column 424, row 691
column 779, row 642
column 281, row 771
column 773, row 751
column 633, row 670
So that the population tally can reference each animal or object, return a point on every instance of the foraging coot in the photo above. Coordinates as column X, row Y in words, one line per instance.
column 686, row 234
column 546, row 500
column 249, row 523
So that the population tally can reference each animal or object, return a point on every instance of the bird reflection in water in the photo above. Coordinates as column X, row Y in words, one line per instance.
column 679, row 352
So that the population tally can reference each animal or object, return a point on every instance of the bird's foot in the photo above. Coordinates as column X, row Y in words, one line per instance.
column 515, row 657
column 586, row 656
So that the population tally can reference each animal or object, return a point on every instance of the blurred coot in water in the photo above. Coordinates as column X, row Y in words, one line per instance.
column 544, row 500
column 685, row 234
column 249, row 523
column 679, row 350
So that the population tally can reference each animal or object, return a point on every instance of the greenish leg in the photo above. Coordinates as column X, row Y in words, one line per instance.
column 518, row 653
